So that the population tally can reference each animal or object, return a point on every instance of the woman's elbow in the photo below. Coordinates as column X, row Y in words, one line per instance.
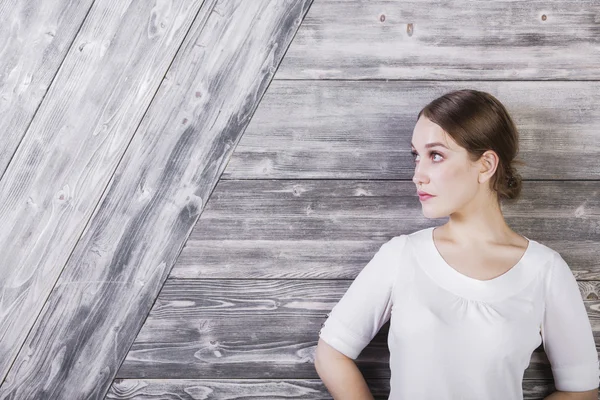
column 326, row 355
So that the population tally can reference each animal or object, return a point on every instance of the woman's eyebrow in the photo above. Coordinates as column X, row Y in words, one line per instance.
column 434, row 144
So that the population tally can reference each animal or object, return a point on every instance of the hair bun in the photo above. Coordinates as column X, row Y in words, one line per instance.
column 512, row 182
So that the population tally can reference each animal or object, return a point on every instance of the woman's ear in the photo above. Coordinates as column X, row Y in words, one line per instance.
column 488, row 163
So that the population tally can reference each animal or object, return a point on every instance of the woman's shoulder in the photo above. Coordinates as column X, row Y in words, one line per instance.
column 405, row 244
column 543, row 253
column 414, row 234
column 415, row 237
column 401, row 240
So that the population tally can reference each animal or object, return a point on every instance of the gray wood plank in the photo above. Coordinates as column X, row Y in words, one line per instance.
column 260, row 329
column 72, row 147
column 224, row 389
column 418, row 39
column 35, row 38
column 362, row 130
column 328, row 229
column 159, row 188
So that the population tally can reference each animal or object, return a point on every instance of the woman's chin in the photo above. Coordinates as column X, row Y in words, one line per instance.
column 431, row 212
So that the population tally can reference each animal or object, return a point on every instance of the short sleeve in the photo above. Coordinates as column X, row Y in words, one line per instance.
column 567, row 333
column 367, row 304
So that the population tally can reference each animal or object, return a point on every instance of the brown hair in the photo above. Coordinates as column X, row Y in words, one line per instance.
column 478, row 122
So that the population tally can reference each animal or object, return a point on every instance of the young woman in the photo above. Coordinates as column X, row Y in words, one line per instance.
column 468, row 301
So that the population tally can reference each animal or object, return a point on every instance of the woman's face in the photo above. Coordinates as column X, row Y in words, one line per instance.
column 443, row 171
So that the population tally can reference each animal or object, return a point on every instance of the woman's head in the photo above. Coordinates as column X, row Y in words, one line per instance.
column 478, row 162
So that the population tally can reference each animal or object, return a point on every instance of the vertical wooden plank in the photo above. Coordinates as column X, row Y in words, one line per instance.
column 35, row 37
column 161, row 186
column 71, row 149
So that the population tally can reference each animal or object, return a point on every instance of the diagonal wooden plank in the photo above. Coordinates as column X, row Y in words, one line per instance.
column 159, row 190
column 35, row 38
column 75, row 142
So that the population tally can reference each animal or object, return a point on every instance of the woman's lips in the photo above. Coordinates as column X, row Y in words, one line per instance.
column 423, row 197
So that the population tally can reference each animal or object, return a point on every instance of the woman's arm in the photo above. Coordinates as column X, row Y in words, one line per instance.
column 340, row 374
column 588, row 395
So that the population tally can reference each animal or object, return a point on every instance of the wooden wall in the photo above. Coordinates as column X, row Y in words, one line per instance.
column 322, row 176
column 120, row 116
column 184, row 198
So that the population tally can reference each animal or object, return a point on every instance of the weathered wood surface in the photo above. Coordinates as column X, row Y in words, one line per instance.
column 300, row 233
column 272, row 256
column 160, row 185
column 35, row 37
column 224, row 389
column 417, row 39
column 314, row 229
column 227, row 389
column 72, row 147
column 362, row 130
column 259, row 329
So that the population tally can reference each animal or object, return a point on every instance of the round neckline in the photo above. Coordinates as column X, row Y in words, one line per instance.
column 509, row 283
column 489, row 282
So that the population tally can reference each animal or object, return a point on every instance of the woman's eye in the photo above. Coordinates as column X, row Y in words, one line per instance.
column 433, row 153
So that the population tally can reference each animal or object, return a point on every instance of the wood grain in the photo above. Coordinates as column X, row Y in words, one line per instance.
column 35, row 37
column 452, row 40
column 158, row 191
column 225, row 389
column 72, row 147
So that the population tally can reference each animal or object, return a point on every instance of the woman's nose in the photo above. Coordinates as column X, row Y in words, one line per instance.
column 418, row 178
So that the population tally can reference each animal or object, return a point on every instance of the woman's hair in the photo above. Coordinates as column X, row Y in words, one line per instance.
column 478, row 122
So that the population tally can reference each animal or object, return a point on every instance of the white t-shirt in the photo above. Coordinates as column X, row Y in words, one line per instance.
column 456, row 337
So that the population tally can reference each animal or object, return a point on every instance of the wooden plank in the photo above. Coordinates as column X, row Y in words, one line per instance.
column 71, row 150
column 314, row 229
column 416, row 39
column 222, row 389
column 35, row 37
column 362, row 130
column 258, row 329
column 159, row 189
